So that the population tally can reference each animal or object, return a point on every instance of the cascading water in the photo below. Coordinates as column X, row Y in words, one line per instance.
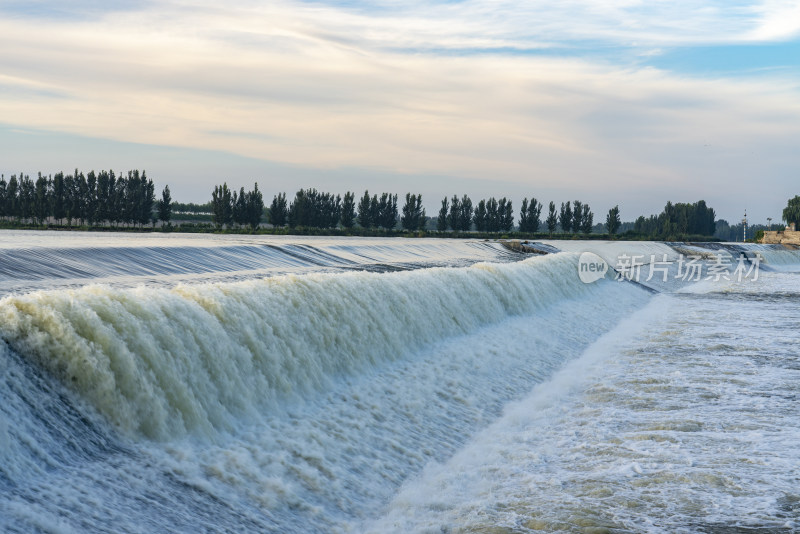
column 181, row 390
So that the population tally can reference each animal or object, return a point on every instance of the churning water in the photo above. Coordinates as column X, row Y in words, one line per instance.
column 207, row 384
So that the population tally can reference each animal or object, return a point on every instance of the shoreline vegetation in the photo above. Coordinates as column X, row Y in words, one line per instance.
column 104, row 201
column 208, row 228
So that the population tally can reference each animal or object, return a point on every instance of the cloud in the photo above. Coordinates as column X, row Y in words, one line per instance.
column 444, row 89
column 779, row 20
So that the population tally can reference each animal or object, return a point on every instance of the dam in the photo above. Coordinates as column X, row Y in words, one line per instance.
column 284, row 384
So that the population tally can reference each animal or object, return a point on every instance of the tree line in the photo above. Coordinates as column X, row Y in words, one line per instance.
column 241, row 208
column 492, row 215
column 91, row 199
column 314, row 209
column 678, row 220
column 311, row 208
column 105, row 198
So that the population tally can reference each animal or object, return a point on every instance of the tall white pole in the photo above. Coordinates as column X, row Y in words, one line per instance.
column 744, row 227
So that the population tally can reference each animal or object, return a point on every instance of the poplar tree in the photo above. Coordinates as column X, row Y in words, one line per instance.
column 239, row 207
column 492, row 215
column 465, row 214
column 222, row 210
column 147, row 199
column 552, row 219
column 441, row 221
column 365, row 211
column 255, row 207
column 577, row 216
column 413, row 213
column 57, row 197
column 505, row 216
column 348, row 215
column 613, row 221
column 523, row 216
column 587, row 218
column 3, row 196
column 529, row 216
column 165, row 206
column 480, row 216
column 90, row 198
column 41, row 207
column 387, row 211
column 279, row 210
column 454, row 216
column 27, row 193
column 565, row 217
column 12, row 203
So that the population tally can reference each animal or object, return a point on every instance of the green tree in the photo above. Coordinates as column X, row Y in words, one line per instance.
column 106, row 184
column 577, row 216
column 148, row 199
column 300, row 210
column 387, row 211
column 3, row 196
column 412, row 213
column 120, row 200
column 587, row 220
column 565, row 217
column 348, row 214
column 791, row 213
column 12, row 201
column 639, row 225
column 221, row 204
column 278, row 210
column 480, row 216
column 530, row 216
column 165, row 206
column 454, row 217
column 465, row 214
column 552, row 219
column 71, row 203
column 239, row 202
column 90, row 200
column 27, row 196
column 441, row 221
column 505, row 215
column 523, row 216
column 133, row 198
column 493, row 222
column 365, row 219
column 255, row 207
column 613, row 221
column 41, row 209
column 375, row 210
column 58, row 196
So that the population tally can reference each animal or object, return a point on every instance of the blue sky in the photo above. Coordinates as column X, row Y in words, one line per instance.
column 611, row 102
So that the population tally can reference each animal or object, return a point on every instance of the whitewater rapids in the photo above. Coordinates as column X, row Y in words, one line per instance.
column 385, row 385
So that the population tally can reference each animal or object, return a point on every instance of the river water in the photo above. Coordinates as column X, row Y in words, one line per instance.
column 156, row 383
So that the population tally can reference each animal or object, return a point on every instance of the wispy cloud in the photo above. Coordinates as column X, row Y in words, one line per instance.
column 778, row 20
column 458, row 89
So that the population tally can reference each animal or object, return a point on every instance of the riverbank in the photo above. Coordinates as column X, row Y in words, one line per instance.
column 207, row 228
column 781, row 237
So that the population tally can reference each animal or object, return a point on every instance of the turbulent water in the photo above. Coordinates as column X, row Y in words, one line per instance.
column 228, row 384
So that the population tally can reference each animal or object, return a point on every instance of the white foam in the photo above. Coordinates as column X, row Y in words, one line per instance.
column 164, row 362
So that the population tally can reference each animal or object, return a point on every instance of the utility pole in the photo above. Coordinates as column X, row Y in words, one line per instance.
column 744, row 227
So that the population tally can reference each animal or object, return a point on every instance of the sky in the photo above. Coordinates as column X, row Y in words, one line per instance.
column 609, row 102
